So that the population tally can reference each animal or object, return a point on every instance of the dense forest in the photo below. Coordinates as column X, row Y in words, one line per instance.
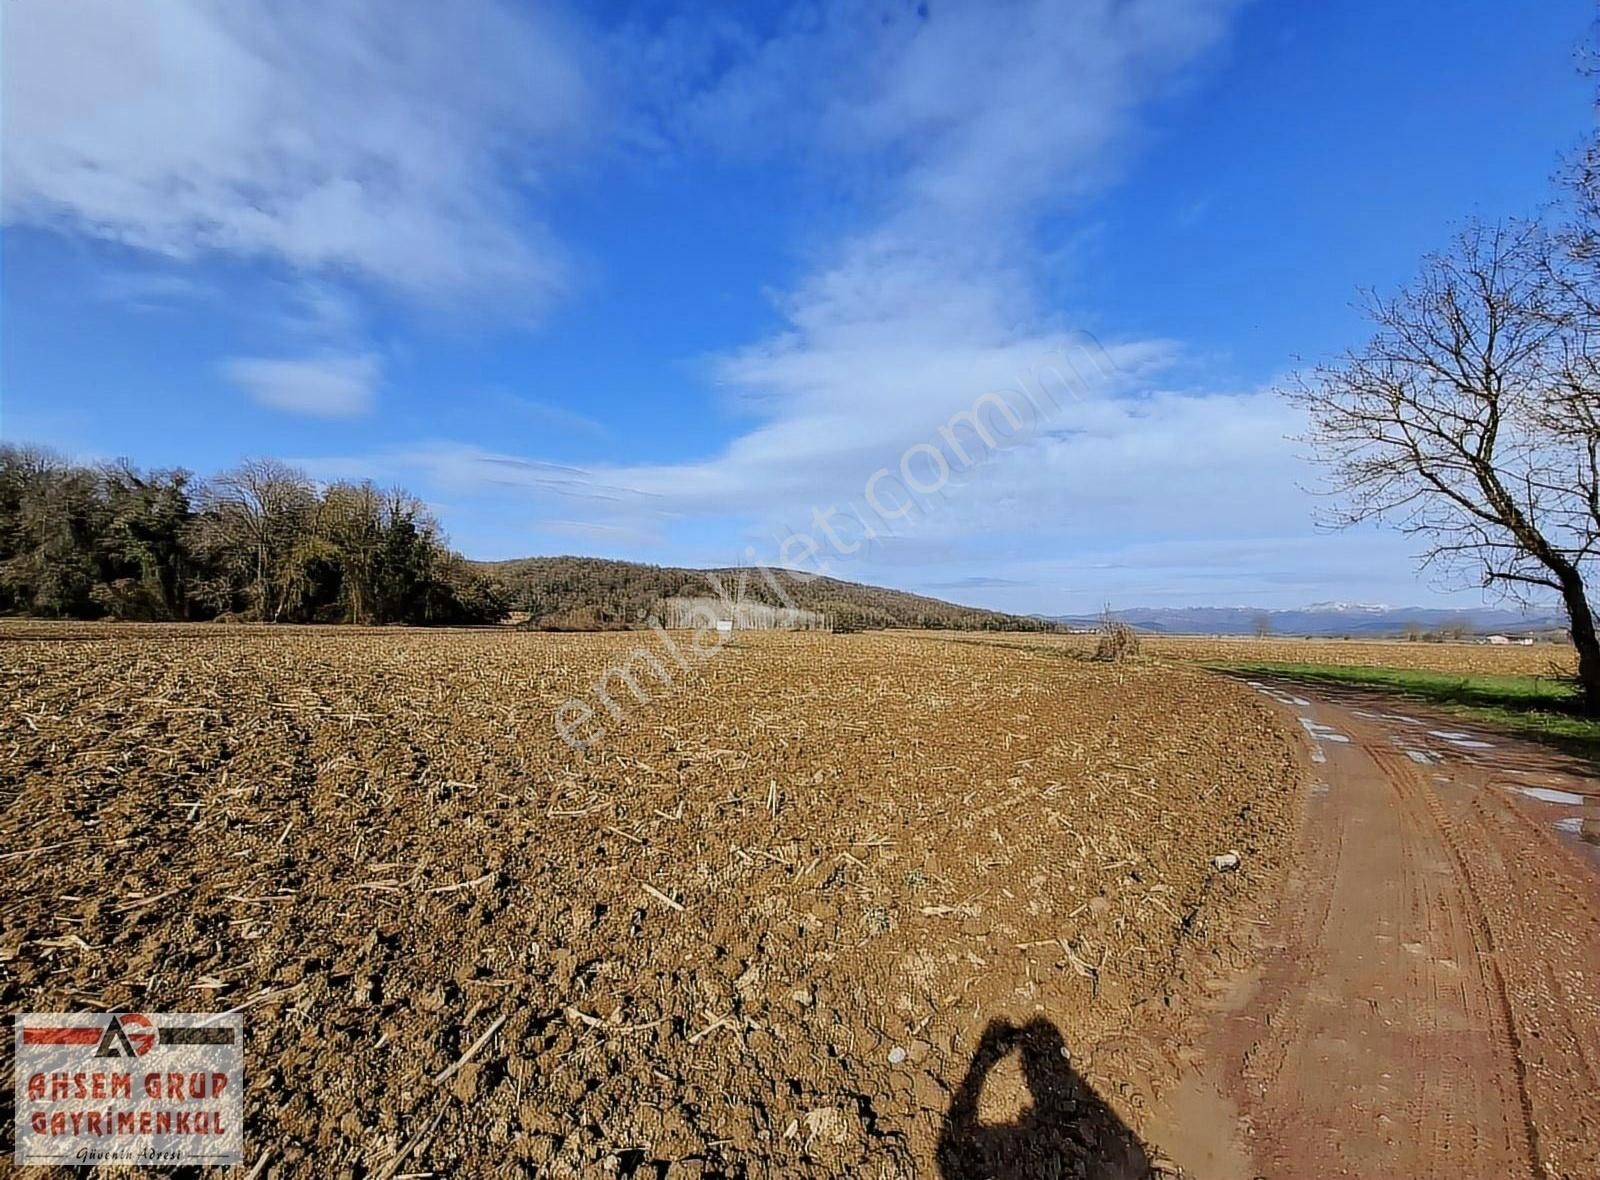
column 261, row 542
column 590, row 593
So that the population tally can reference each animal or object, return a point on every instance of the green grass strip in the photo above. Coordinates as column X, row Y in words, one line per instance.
column 1539, row 707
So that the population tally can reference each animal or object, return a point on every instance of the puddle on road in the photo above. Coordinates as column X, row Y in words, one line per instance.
column 1321, row 732
column 1465, row 740
column 1283, row 698
column 1420, row 757
column 1583, row 827
column 1316, row 730
column 1400, row 717
column 1551, row 795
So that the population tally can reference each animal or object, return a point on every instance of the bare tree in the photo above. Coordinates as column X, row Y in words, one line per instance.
column 252, row 519
column 1469, row 421
column 1261, row 624
column 353, row 522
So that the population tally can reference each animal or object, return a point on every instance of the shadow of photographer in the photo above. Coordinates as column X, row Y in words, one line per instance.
column 1066, row 1130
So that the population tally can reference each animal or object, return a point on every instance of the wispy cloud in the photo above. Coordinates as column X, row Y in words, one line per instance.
column 947, row 137
column 321, row 386
column 951, row 134
column 148, row 289
column 352, row 150
column 347, row 139
column 974, row 582
column 551, row 415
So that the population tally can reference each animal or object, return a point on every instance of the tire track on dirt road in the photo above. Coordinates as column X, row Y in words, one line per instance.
column 1427, row 995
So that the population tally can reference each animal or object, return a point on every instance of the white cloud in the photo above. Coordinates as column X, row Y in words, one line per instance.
column 340, row 140
column 323, row 386
column 969, row 110
column 956, row 133
column 950, row 138
column 350, row 139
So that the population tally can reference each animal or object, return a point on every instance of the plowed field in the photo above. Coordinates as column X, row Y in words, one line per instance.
column 762, row 928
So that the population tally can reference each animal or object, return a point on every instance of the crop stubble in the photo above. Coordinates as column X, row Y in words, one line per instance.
column 1554, row 660
column 464, row 947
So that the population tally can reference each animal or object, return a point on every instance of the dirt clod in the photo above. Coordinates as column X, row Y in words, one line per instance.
column 376, row 842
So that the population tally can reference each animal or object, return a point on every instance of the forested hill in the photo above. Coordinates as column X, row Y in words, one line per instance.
column 586, row 593
column 263, row 542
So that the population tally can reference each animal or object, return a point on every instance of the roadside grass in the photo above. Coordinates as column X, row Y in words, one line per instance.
column 1539, row 707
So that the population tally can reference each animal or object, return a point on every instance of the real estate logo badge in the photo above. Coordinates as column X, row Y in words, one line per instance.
column 129, row 1088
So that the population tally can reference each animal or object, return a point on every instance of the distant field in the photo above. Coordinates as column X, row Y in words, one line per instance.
column 1467, row 659
column 1522, row 689
column 1463, row 659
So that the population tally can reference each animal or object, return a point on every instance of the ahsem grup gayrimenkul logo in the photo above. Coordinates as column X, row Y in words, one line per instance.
column 129, row 1088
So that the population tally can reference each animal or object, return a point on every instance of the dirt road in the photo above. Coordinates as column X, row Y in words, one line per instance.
column 1427, row 1001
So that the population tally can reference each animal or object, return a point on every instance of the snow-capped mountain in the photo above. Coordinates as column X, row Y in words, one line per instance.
column 1328, row 618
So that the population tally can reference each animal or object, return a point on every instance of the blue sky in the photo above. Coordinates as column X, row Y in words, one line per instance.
column 672, row 283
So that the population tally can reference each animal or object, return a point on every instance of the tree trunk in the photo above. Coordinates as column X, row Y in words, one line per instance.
column 1585, row 640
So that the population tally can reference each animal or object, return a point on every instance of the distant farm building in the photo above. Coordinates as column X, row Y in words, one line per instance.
column 693, row 613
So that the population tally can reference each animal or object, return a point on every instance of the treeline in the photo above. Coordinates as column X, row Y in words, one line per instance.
column 1450, row 631
column 261, row 542
column 591, row 593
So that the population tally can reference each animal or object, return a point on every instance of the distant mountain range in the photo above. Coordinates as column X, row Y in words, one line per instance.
column 1325, row 618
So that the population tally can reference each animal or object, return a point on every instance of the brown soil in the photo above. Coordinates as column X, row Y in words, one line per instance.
column 913, row 906
column 1427, row 1001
